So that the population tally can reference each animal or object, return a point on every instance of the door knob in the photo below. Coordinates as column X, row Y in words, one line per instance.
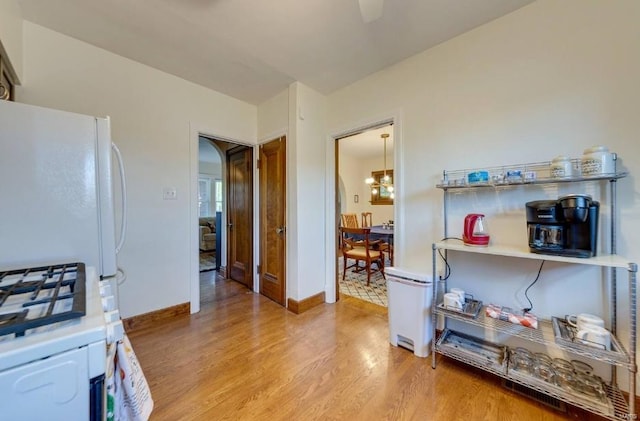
column 281, row 230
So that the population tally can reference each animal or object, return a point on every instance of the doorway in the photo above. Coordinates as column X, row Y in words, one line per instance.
column 224, row 214
column 210, row 205
column 365, row 187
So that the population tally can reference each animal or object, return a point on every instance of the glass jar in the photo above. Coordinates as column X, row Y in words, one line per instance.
column 559, row 363
column 581, row 367
column 521, row 360
column 565, row 378
column 522, row 364
column 543, row 358
column 590, row 386
column 524, row 352
column 544, row 371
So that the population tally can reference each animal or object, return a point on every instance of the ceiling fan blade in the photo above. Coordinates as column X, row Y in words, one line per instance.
column 371, row 9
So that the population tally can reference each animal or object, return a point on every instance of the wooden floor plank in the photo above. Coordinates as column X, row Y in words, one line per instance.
column 244, row 357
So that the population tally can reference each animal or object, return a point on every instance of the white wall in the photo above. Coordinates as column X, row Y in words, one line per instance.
column 352, row 182
column 273, row 117
column 353, row 171
column 151, row 115
column 551, row 78
column 306, row 192
column 11, row 33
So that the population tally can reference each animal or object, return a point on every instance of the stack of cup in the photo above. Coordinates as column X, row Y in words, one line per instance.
column 455, row 299
column 590, row 330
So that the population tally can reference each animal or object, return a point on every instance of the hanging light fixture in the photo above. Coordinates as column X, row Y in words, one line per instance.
column 385, row 181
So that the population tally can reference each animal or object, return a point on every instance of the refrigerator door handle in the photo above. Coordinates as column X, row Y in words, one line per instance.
column 123, row 189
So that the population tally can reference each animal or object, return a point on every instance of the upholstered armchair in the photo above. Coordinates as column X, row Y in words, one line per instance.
column 207, row 233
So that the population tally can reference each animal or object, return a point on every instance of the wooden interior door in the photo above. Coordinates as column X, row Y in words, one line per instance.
column 272, row 267
column 240, row 215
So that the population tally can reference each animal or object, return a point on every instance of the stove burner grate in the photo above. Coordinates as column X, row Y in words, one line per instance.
column 39, row 296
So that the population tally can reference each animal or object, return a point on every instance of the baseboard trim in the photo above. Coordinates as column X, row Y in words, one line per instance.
column 308, row 303
column 222, row 272
column 147, row 320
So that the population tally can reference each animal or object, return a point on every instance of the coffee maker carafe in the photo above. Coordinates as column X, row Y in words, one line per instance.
column 565, row 227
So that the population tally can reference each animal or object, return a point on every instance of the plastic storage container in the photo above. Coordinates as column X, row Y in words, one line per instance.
column 561, row 166
column 410, row 324
column 597, row 160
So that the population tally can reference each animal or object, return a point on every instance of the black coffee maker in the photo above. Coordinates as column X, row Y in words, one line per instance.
column 564, row 227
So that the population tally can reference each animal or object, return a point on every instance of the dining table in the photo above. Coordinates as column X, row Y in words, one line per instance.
column 381, row 232
column 378, row 232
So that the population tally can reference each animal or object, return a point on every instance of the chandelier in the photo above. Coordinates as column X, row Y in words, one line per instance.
column 385, row 181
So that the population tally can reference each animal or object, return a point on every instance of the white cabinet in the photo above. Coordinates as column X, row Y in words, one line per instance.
column 493, row 357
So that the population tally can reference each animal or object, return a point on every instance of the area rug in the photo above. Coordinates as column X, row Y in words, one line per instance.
column 355, row 285
column 207, row 261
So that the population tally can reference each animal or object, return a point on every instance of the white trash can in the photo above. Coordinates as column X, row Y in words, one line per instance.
column 410, row 322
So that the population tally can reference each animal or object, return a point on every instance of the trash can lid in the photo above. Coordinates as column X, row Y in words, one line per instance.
column 405, row 274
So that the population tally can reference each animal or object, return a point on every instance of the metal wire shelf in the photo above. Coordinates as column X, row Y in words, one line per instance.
column 615, row 407
column 515, row 175
column 545, row 335
column 508, row 177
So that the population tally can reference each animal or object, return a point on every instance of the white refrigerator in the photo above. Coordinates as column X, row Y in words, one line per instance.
column 56, row 189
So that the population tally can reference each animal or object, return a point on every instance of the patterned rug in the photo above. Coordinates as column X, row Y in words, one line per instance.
column 355, row 285
column 207, row 261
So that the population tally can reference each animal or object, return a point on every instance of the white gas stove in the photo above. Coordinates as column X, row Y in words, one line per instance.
column 53, row 336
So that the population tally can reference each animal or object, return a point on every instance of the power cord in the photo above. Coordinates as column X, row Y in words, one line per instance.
column 526, row 310
column 447, row 270
column 447, row 273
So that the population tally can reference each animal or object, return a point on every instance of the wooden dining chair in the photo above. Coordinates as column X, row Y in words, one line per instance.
column 366, row 219
column 350, row 220
column 388, row 248
column 356, row 246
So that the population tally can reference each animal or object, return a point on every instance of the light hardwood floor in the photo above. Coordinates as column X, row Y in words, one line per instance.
column 243, row 357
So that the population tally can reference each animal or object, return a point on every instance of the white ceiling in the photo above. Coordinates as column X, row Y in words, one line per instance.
column 253, row 49
column 368, row 145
